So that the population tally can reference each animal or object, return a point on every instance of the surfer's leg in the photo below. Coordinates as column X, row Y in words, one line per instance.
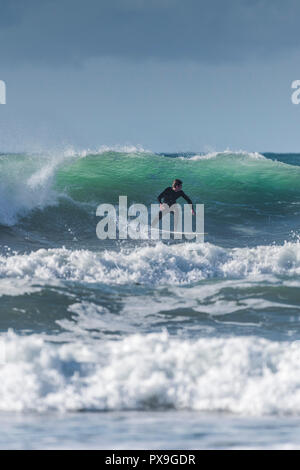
column 156, row 219
column 160, row 216
column 176, row 217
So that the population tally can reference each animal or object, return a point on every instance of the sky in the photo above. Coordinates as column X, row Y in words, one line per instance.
column 166, row 75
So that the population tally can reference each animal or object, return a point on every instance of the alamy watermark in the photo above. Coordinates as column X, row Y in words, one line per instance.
column 2, row 92
column 2, row 353
column 137, row 223
column 296, row 94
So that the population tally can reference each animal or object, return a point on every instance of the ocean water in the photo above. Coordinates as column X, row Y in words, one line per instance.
column 128, row 344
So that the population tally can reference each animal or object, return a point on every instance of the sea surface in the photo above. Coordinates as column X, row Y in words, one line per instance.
column 144, row 344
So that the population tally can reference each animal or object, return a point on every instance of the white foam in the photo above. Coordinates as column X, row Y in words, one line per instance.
column 27, row 184
column 18, row 287
column 240, row 153
column 90, row 317
column 127, row 149
column 158, row 264
column 246, row 375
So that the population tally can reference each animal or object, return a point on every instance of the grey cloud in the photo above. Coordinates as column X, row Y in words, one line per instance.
column 59, row 31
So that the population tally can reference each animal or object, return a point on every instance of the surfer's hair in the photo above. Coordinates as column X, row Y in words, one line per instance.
column 176, row 183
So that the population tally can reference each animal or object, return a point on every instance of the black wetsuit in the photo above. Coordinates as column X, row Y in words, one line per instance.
column 170, row 197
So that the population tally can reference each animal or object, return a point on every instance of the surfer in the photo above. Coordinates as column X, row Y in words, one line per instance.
column 168, row 198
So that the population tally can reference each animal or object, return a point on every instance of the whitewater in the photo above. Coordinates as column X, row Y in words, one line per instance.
column 153, row 343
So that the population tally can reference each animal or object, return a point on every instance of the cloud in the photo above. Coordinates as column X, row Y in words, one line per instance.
column 72, row 31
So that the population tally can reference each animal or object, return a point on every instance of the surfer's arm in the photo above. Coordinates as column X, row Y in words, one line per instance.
column 189, row 201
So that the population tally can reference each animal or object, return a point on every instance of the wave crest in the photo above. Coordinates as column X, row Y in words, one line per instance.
column 153, row 265
column 245, row 375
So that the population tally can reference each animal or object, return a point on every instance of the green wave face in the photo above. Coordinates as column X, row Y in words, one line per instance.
column 56, row 196
column 228, row 178
column 248, row 199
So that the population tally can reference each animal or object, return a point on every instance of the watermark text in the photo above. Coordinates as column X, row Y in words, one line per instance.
column 138, row 223
column 2, row 92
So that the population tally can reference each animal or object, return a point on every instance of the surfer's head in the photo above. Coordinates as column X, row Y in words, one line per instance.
column 177, row 185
